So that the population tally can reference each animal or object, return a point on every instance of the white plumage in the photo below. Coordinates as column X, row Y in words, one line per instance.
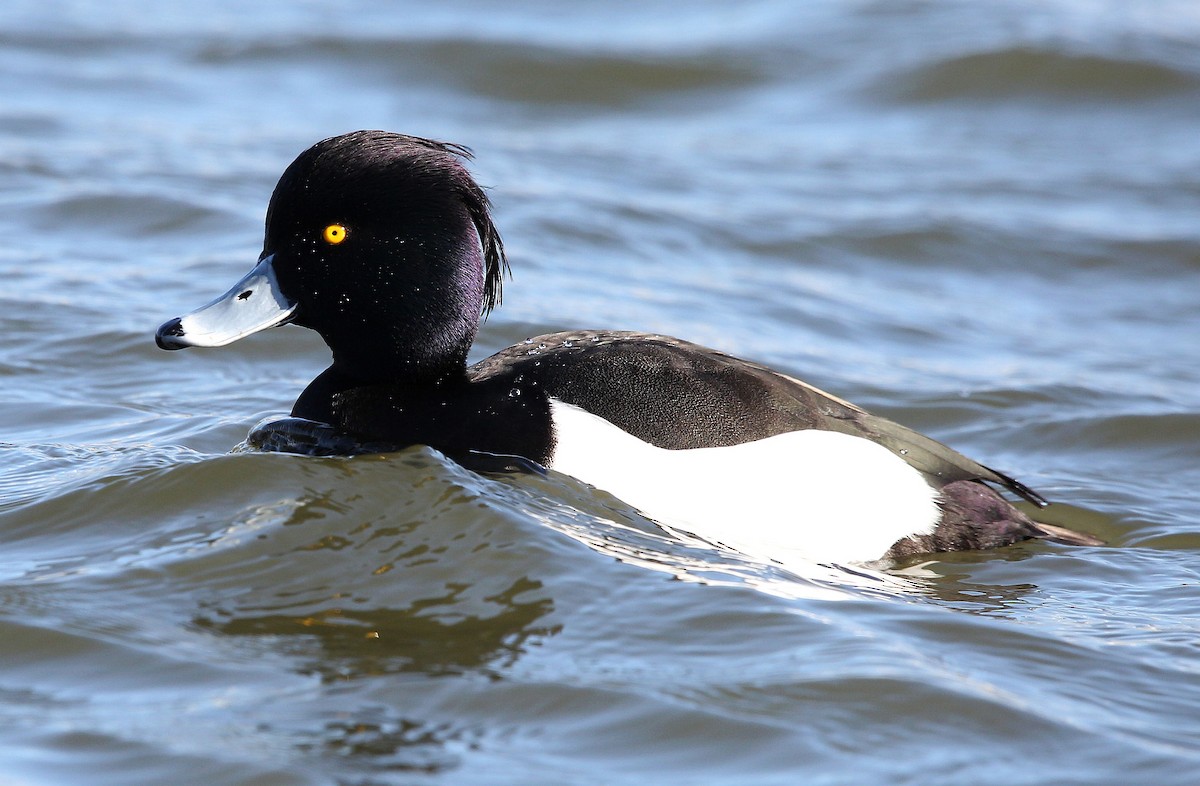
column 810, row 495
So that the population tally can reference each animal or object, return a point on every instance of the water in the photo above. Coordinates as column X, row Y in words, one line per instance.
column 979, row 219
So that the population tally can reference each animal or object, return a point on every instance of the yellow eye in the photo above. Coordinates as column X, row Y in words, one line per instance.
column 334, row 234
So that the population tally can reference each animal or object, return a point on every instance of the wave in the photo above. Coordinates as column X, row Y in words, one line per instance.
column 1033, row 72
column 524, row 71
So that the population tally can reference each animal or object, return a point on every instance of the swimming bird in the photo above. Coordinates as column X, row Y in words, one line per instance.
column 384, row 244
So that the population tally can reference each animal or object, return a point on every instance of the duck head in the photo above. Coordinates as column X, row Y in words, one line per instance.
column 380, row 242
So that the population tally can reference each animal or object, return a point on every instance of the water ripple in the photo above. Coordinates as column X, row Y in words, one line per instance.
column 977, row 218
column 501, row 69
column 1026, row 72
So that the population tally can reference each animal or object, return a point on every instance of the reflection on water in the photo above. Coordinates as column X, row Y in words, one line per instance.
column 372, row 576
column 952, row 583
column 432, row 635
column 376, row 740
column 960, row 580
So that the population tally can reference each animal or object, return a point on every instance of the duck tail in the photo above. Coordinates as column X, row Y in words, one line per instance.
column 1070, row 537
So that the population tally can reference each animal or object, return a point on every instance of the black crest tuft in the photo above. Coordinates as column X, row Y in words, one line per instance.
column 480, row 208
column 473, row 197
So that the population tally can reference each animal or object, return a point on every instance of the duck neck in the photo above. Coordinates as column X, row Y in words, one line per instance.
column 405, row 369
column 350, row 371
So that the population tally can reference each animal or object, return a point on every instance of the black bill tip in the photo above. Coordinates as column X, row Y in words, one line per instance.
column 170, row 335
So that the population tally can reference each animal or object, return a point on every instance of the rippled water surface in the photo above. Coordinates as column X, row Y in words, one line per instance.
column 981, row 219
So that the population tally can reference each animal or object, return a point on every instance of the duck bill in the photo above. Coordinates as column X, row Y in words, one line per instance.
column 253, row 304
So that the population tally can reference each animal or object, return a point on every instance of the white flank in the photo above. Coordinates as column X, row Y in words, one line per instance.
column 816, row 496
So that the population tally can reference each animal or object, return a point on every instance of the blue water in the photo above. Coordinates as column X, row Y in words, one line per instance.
column 977, row 219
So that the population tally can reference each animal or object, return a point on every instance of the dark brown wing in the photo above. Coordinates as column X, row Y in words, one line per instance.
column 679, row 395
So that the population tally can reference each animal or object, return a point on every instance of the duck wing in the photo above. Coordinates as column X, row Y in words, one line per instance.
column 678, row 395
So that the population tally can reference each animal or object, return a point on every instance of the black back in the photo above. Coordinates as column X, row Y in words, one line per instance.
column 662, row 390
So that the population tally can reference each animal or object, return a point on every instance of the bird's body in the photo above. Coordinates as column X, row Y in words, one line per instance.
column 384, row 245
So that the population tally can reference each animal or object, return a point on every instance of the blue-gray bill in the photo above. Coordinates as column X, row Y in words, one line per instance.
column 254, row 303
